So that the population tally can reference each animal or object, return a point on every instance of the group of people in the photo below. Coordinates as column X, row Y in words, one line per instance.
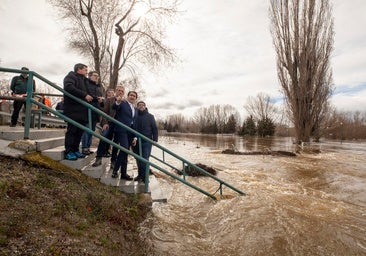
column 117, row 107
column 85, row 86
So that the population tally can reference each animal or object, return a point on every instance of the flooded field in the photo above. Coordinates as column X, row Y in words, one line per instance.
column 311, row 204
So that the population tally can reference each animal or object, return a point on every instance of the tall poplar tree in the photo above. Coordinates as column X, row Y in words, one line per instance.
column 303, row 35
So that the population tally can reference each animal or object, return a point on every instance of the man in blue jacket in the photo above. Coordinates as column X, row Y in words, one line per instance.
column 125, row 113
column 75, row 83
column 146, row 125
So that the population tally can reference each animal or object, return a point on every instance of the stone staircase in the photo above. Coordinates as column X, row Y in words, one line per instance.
column 50, row 142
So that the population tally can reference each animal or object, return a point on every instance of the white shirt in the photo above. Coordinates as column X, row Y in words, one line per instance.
column 132, row 108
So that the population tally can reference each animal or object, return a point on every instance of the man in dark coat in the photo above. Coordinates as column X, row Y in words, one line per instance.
column 95, row 90
column 18, row 86
column 125, row 113
column 75, row 84
column 146, row 125
column 60, row 105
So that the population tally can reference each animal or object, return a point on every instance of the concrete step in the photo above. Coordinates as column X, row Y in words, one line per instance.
column 80, row 163
column 50, row 143
column 154, row 189
column 96, row 172
column 43, row 144
column 58, row 154
column 17, row 133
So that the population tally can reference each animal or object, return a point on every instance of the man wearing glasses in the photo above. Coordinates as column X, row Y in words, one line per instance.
column 95, row 90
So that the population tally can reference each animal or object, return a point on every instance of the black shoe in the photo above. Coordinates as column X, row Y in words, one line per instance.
column 98, row 161
column 86, row 152
column 139, row 179
column 126, row 177
column 114, row 175
column 107, row 155
column 12, row 125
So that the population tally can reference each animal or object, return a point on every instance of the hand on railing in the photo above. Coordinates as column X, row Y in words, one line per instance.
column 134, row 142
column 19, row 95
column 105, row 127
column 88, row 98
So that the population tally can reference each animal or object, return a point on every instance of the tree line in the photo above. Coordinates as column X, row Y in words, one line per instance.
column 339, row 125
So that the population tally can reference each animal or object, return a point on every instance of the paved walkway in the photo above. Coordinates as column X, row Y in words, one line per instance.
column 9, row 151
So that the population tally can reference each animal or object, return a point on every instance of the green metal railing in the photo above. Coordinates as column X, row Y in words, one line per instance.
column 164, row 151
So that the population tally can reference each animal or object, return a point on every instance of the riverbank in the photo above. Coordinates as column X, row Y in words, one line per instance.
column 48, row 211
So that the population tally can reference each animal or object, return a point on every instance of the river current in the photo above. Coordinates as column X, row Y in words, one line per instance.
column 311, row 204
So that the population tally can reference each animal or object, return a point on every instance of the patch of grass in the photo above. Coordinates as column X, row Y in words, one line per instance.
column 56, row 211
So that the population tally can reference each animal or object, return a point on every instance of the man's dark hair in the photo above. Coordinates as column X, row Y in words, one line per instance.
column 25, row 68
column 128, row 94
column 91, row 73
column 141, row 102
column 79, row 66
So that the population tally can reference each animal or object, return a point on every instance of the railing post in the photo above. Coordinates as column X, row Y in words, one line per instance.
column 28, row 106
column 147, row 173
column 89, row 119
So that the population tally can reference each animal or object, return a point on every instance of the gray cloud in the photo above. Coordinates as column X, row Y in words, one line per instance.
column 225, row 49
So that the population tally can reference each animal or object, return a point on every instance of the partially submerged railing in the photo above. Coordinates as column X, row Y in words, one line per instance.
column 184, row 163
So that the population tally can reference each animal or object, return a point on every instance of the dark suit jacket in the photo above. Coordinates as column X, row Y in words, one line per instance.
column 124, row 115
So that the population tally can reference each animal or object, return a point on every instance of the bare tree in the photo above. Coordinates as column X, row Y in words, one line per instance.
column 215, row 118
column 133, row 84
column 177, row 123
column 260, row 107
column 346, row 125
column 302, row 32
column 138, row 38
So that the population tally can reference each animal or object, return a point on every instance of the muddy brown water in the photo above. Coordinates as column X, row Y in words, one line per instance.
column 312, row 204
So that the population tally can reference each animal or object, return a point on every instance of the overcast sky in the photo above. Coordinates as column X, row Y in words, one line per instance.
column 225, row 49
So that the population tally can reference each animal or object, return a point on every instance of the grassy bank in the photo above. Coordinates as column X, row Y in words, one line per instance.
column 52, row 210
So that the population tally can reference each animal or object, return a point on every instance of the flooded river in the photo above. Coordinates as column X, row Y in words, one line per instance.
column 311, row 204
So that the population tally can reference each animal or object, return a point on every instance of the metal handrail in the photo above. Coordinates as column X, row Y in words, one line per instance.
column 184, row 162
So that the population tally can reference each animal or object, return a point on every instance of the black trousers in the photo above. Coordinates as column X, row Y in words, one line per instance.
column 72, row 138
column 17, row 106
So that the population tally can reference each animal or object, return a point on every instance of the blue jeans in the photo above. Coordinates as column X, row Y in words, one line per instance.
column 145, row 153
column 86, row 138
